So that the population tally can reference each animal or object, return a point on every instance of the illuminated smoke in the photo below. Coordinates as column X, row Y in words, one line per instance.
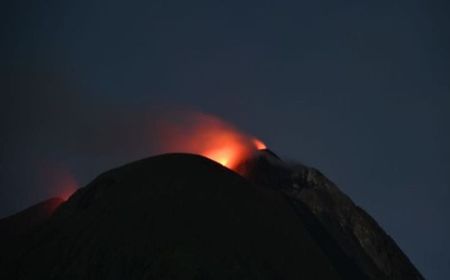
column 209, row 136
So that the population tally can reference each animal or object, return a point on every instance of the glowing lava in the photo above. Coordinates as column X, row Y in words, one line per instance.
column 211, row 137
column 259, row 144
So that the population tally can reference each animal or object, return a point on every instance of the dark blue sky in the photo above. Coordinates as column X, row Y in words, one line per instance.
column 357, row 89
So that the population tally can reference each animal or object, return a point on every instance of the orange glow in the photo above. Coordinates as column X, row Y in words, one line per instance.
column 57, row 179
column 68, row 185
column 259, row 144
column 211, row 137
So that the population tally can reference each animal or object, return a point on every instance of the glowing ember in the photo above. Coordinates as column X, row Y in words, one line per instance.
column 211, row 137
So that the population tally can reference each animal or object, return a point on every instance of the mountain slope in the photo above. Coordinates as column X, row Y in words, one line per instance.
column 330, row 213
column 171, row 217
column 22, row 222
column 182, row 216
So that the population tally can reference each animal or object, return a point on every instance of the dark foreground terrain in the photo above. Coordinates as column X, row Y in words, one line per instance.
column 180, row 216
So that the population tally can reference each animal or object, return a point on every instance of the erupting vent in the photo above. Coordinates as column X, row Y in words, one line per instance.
column 211, row 137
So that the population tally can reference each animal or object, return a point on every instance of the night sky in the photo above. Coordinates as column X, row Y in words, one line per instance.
column 358, row 90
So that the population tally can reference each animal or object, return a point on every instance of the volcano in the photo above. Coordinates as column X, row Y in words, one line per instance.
column 184, row 216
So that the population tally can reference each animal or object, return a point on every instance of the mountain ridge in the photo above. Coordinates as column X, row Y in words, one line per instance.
column 180, row 216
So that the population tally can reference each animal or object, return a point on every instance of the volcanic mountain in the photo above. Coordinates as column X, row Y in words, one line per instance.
column 184, row 216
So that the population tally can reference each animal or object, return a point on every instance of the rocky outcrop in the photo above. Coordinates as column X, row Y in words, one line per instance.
column 333, row 214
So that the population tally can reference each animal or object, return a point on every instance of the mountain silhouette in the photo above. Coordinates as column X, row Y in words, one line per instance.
column 183, row 216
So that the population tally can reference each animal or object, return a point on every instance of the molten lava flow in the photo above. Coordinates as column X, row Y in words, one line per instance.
column 211, row 137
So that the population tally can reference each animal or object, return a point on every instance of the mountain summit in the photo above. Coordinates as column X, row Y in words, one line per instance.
column 183, row 216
